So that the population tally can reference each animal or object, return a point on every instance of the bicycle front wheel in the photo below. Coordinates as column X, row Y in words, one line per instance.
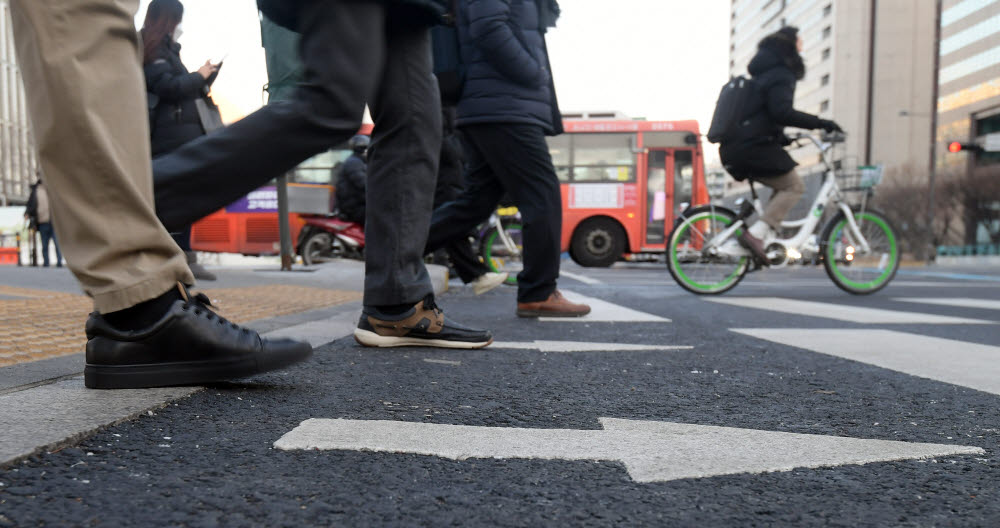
column 696, row 268
column 850, row 267
column 498, row 257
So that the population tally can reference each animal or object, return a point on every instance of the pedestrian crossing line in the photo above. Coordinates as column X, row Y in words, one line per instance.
column 840, row 312
column 582, row 278
column 961, row 302
column 603, row 311
column 573, row 346
column 971, row 365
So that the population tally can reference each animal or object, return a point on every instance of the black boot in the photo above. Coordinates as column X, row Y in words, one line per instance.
column 189, row 345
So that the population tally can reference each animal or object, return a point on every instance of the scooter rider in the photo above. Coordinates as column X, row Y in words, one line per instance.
column 351, row 181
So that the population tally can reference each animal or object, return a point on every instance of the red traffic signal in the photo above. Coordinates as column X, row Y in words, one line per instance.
column 957, row 146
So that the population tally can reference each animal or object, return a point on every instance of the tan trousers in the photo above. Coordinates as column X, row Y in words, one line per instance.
column 788, row 189
column 85, row 90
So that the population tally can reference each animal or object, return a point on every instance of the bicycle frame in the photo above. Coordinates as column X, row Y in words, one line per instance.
column 805, row 227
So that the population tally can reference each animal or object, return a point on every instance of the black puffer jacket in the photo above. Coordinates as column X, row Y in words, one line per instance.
column 420, row 12
column 508, row 79
column 351, row 183
column 759, row 151
column 175, row 120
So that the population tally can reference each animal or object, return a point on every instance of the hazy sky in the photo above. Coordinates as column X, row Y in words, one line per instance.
column 658, row 59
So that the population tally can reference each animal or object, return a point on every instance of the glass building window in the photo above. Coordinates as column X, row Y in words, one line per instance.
column 826, row 53
column 827, row 31
column 824, row 80
column 824, row 106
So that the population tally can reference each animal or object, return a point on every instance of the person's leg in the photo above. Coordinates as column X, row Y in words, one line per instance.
column 55, row 242
column 80, row 61
column 519, row 156
column 464, row 260
column 81, row 65
column 402, row 170
column 343, row 50
column 788, row 189
column 45, row 230
column 399, row 307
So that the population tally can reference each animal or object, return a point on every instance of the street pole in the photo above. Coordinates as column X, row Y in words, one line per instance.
column 932, row 169
column 284, row 229
column 870, row 121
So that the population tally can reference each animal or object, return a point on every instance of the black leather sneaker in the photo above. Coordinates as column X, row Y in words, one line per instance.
column 423, row 325
column 190, row 345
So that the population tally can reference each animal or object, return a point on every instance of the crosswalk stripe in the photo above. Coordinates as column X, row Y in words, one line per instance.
column 970, row 365
column 853, row 314
column 603, row 311
column 573, row 346
column 582, row 278
column 961, row 302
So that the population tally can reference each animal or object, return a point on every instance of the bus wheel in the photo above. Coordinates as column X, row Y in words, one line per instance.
column 597, row 243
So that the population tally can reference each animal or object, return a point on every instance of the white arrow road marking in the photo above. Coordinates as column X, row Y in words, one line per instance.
column 651, row 451
column 842, row 312
column 967, row 364
column 962, row 302
column 603, row 311
column 572, row 346
column 582, row 278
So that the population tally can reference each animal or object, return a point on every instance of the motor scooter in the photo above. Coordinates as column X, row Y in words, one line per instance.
column 326, row 237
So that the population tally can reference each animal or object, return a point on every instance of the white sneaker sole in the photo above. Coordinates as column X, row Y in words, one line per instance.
column 371, row 339
column 488, row 282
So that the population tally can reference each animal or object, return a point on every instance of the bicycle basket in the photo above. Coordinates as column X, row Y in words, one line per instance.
column 863, row 178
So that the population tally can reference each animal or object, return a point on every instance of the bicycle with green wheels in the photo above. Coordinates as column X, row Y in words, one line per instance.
column 500, row 244
column 857, row 245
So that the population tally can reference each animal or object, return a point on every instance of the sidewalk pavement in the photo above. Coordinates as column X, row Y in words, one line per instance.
column 43, row 403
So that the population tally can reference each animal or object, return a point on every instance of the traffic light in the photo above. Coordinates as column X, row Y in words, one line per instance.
column 957, row 146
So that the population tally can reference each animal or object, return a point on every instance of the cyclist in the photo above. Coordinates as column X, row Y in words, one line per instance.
column 757, row 150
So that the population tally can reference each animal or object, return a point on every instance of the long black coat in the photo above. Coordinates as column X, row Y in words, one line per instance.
column 508, row 79
column 759, row 151
column 175, row 120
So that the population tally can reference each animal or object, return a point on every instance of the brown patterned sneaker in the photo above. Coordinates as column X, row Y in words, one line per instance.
column 555, row 306
column 423, row 325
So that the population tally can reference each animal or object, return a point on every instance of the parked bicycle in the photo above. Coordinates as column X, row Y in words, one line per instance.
column 858, row 246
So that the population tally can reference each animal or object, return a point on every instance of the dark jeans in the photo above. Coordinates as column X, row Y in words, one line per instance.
column 46, row 232
column 351, row 57
column 182, row 238
column 514, row 159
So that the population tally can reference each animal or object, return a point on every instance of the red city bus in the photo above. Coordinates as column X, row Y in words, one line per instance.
column 623, row 182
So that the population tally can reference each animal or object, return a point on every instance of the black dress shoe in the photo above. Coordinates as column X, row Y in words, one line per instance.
column 190, row 345
column 422, row 325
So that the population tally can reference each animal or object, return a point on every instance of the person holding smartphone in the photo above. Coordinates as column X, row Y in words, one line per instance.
column 174, row 94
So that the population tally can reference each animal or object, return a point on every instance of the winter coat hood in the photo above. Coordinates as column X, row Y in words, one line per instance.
column 777, row 51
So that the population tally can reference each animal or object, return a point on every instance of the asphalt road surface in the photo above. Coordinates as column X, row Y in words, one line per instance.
column 783, row 403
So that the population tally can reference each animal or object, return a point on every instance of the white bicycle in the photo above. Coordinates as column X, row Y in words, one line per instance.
column 858, row 246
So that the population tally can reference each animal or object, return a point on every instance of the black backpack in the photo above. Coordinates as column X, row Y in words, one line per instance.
column 735, row 104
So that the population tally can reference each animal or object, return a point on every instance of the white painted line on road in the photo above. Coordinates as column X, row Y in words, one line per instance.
column 967, row 364
column 444, row 362
column 961, row 302
column 840, row 312
column 574, row 346
column 650, row 451
column 603, row 311
column 582, row 278
column 322, row 332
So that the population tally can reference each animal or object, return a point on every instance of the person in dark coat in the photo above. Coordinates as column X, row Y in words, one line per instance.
column 506, row 109
column 354, row 52
column 352, row 179
column 757, row 151
column 172, row 92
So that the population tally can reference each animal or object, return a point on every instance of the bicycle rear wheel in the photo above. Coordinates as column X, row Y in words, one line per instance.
column 497, row 257
column 695, row 269
column 852, row 269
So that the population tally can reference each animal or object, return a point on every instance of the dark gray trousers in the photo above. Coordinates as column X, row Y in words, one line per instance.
column 352, row 57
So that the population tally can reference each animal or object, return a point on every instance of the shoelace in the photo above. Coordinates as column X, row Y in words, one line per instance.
column 203, row 305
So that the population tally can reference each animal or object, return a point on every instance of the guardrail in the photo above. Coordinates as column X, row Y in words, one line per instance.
column 969, row 250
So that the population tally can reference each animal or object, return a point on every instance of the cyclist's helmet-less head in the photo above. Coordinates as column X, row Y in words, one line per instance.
column 359, row 143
